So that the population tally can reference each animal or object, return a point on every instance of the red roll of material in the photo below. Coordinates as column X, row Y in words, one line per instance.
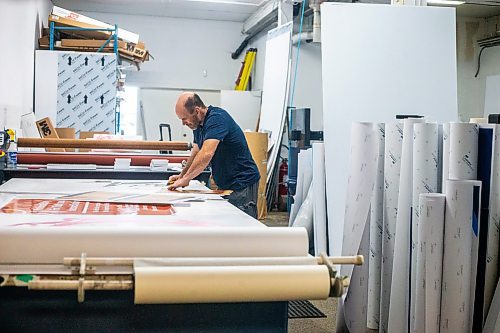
column 98, row 159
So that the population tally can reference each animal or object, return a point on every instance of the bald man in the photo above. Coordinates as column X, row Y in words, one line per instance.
column 220, row 143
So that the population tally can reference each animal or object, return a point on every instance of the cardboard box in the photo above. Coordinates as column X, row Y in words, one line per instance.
column 47, row 130
column 66, row 133
column 88, row 135
column 91, row 43
column 257, row 143
column 74, row 19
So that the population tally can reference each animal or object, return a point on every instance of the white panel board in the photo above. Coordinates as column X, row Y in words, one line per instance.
column 492, row 95
column 46, row 84
column 159, row 108
column 275, row 89
column 373, row 71
column 243, row 106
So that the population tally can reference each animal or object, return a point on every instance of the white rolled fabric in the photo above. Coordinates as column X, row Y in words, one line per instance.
column 304, row 218
column 304, row 179
column 445, row 174
column 429, row 262
column 51, row 245
column 400, row 294
column 463, row 151
column 463, row 199
column 392, row 168
column 223, row 284
column 492, row 251
column 376, row 228
column 426, row 164
column 225, row 261
column 319, row 202
column 361, row 181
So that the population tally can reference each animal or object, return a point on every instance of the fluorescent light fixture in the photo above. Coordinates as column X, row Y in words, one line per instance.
column 445, row 2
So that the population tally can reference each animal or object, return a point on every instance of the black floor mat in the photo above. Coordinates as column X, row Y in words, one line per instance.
column 303, row 309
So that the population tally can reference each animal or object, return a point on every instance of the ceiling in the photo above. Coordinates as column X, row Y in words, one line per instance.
column 221, row 10
column 478, row 10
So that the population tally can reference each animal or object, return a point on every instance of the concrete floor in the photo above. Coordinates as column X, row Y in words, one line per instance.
column 328, row 307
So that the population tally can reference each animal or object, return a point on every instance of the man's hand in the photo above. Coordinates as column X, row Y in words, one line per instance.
column 173, row 179
column 181, row 182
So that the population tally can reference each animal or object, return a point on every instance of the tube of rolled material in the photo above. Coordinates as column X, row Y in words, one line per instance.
column 102, row 144
column 50, row 245
column 227, row 261
column 171, row 285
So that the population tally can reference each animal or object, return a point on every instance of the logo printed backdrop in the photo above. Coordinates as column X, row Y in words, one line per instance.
column 86, row 91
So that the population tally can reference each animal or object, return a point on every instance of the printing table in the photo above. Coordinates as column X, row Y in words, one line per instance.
column 23, row 310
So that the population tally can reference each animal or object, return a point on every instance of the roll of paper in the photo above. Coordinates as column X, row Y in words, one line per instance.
column 304, row 218
column 361, row 181
column 173, row 285
column 225, row 261
column 50, row 246
column 319, row 190
column 400, row 294
column 392, row 168
column 429, row 262
column 492, row 136
column 461, row 233
column 304, row 179
column 426, row 164
column 446, row 156
column 376, row 228
column 463, row 151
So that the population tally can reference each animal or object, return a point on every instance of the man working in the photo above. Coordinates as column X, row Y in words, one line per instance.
column 220, row 142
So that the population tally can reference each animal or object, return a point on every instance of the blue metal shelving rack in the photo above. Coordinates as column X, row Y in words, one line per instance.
column 113, row 36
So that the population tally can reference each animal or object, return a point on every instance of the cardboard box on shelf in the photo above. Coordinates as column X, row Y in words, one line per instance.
column 64, row 15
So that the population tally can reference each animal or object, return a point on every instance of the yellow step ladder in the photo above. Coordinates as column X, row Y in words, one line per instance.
column 246, row 70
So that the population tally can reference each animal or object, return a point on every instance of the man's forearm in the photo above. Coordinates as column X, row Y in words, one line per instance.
column 189, row 162
column 199, row 163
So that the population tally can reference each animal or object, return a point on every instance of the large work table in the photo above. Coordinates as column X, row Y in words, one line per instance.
column 38, row 230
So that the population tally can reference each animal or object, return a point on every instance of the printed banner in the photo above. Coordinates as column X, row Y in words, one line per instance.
column 40, row 206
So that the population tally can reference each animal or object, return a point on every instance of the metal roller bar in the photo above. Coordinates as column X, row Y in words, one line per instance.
column 103, row 144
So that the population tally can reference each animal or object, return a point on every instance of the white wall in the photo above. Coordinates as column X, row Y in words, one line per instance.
column 184, row 49
column 20, row 23
column 471, row 90
column 308, row 89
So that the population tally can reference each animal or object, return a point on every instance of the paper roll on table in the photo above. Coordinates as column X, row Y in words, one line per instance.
column 155, row 285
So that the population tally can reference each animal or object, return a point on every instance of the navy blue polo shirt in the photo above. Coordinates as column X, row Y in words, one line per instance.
column 233, row 167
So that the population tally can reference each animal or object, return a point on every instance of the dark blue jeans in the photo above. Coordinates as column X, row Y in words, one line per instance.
column 246, row 199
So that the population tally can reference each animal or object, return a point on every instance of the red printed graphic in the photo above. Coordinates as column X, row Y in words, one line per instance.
column 40, row 206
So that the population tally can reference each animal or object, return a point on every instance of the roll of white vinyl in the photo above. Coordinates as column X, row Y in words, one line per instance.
column 463, row 151
column 460, row 255
column 426, row 164
column 392, row 168
column 492, row 323
column 376, row 228
column 429, row 262
column 361, row 181
column 304, row 218
column 51, row 245
column 445, row 174
column 170, row 285
column 492, row 252
column 319, row 190
column 304, row 179
column 400, row 294
column 478, row 120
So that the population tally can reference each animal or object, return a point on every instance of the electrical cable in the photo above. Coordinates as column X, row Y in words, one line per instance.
column 479, row 57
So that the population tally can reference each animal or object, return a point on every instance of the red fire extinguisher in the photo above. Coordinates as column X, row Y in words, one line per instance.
column 283, row 185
